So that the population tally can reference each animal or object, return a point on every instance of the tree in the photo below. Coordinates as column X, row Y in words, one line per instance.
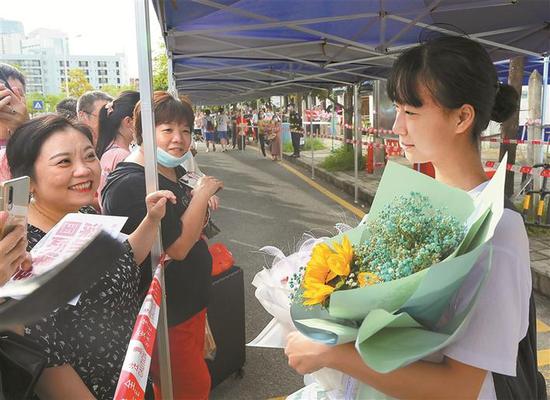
column 78, row 83
column 50, row 101
column 115, row 90
column 160, row 69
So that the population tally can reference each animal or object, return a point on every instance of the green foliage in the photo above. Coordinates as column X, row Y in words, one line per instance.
column 341, row 159
column 287, row 147
column 78, row 83
column 50, row 101
column 160, row 69
column 115, row 90
column 317, row 144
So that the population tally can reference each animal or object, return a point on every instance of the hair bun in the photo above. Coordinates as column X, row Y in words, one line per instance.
column 506, row 103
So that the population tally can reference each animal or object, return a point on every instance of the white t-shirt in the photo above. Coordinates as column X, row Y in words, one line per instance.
column 501, row 317
column 222, row 123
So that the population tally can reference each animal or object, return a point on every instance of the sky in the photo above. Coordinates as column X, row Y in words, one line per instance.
column 98, row 27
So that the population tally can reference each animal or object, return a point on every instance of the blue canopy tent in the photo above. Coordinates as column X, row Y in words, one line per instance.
column 229, row 50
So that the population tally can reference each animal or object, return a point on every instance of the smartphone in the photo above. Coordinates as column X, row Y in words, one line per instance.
column 14, row 199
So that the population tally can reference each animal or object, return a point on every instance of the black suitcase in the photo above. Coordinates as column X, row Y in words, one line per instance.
column 226, row 319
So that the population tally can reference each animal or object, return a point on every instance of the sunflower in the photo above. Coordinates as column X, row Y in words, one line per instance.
column 324, row 265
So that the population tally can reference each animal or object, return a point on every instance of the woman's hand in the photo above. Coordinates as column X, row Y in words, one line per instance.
column 304, row 355
column 214, row 203
column 156, row 203
column 13, row 252
column 207, row 186
column 13, row 107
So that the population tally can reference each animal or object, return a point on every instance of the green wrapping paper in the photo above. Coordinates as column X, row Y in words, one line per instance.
column 399, row 322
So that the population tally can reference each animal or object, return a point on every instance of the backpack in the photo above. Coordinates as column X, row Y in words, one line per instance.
column 528, row 383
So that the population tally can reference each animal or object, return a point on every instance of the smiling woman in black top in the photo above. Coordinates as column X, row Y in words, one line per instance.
column 188, row 273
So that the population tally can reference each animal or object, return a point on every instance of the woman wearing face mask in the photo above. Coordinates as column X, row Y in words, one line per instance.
column 116, row 132
column 188, row 273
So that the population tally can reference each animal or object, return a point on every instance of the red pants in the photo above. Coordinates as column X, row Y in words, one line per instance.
column 190, row 376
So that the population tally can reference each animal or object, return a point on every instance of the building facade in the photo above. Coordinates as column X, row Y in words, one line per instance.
column 44, row 59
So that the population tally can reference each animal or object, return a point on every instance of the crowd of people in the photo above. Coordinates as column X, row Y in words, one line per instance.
column 445, row 91
column 240, row 127
column 87, row 157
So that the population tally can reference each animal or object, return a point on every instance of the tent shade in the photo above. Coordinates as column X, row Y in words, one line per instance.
column 231, row 50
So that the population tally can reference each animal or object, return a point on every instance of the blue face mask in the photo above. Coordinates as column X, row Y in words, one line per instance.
column 169, row 161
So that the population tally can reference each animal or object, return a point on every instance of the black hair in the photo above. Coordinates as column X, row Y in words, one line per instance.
column 456, row 71
column 86, row 101
column 166, row 109
column 11, row 72
column 111, row 116
column 67, row 108
column 27, row 140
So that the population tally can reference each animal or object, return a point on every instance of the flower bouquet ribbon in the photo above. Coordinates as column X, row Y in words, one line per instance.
column 395, row 312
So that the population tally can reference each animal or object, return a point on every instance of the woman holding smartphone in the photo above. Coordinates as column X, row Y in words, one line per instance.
column 84, row 344
column 13, row 250
column 445, row 92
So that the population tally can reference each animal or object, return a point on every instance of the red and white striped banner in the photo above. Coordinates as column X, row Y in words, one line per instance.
column 135, row 369
column 393, row 135
column 522, row 169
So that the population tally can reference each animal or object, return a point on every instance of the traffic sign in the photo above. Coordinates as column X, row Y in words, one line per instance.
column 38, row 105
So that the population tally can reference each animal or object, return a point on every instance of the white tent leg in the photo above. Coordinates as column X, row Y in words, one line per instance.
column 151, row 177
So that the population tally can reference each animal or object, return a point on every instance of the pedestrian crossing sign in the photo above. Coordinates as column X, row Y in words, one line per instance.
column 38, row 105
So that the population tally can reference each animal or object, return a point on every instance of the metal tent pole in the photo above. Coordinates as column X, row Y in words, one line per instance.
column 545, row 117
column 310, row 103
column 357, row 123
column 171, row 81
column 151, row 177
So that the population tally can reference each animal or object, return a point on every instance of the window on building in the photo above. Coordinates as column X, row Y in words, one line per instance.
column 118, row 80
column 62, row 72
column 116, row 64
column 118, row 72
column 61, row 63
column 103, row 80
column 101, row 72
column 102, row 64
column 83, row 63
column 86, row 72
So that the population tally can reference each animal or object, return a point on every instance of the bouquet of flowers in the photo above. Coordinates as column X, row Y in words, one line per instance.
column 409, row 236
column 389, row 284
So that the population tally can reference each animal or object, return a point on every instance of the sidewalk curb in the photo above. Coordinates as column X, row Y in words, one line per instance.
column 331, row 178
column 540, row 275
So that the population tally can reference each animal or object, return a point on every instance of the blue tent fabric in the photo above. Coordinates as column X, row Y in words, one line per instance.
column 230, row 50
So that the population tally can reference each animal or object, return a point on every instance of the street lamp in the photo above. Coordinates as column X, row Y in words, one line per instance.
column 66, row 61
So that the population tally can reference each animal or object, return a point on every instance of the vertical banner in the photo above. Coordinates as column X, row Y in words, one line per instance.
column 132, row 381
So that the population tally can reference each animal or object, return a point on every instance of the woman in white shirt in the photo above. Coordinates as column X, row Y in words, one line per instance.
column 445, row 92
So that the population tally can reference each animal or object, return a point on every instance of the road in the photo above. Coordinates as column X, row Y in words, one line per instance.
column 265, row 203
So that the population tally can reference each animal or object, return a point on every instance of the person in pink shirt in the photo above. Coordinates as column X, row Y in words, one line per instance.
column 116, row 133
column 13, row 110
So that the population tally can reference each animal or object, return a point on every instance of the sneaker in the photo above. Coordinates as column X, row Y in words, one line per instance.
column 207, row 149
